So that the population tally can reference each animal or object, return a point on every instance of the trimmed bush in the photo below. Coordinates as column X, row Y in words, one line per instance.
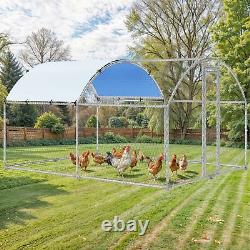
column 148, row 139
column 110, row 137
column 51, row 121
column 58, row 128
column 118, row 122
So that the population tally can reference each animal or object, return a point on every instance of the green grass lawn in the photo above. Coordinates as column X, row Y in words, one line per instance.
column 25, row 155
column 50, row 212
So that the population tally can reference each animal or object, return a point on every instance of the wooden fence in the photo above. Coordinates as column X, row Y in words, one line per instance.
column 23, row 134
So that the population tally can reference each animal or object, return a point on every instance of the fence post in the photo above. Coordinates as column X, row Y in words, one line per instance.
column 166, row 142
column 204, row 121
column 97, row 129
column 218, row 122
column 43, row 131
column 77, row 141
column 25, row 134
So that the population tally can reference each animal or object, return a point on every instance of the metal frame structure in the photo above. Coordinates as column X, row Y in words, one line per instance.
column 165, row 105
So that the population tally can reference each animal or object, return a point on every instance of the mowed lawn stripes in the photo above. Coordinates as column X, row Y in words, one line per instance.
column 48, row 212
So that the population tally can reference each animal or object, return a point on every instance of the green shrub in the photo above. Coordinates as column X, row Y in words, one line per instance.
column 51, row 121
column 88, row 140
column 110, row 137
column 132, row 124
column 187, row 142
column 92, row 122
column 148, row 139
column 118, row 122
column 222, row 143
column 142, row 120
column 58, row 128
column 22, row 115
column 1, row 122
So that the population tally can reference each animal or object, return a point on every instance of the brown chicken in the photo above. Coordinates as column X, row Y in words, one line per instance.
column 117, row 154
column 174, row 166
column 141, row 156
column 98, row 159
column 183, row 163
column 133, row 159
column 84, row 160
column 72, row 157
column 154, row 167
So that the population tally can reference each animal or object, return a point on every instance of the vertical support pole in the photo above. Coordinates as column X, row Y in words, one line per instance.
column 218, row 121
column 204, row 121
column 246, row 122
column 77, row 140
column 4, row 135
column 166, row 142
column 97, row 129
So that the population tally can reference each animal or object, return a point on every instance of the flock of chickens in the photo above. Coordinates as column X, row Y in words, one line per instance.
column 124, row 159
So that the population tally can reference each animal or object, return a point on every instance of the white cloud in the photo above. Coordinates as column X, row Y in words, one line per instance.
column 105, row 33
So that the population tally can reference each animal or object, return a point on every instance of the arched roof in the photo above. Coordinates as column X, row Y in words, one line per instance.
column 69, row 81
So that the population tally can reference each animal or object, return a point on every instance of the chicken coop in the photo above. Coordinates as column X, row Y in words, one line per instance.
column 125, row 121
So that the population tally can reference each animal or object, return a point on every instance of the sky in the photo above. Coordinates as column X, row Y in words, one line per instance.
column 92, row 28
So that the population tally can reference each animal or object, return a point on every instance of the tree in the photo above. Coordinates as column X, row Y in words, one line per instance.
column 3, row 94
column 65, row 115
column 131, row 113
column 231, row 37
column 142, row 120
column 173, row 29
column 43, row 46
column 92, row 122
column 105, row 113
column 10, row 71
column 4, row 43
column 22, row 115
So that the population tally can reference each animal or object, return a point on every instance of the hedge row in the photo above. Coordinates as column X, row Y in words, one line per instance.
column 112, row 138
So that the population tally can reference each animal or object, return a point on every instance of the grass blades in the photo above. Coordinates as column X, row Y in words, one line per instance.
column 50, row 212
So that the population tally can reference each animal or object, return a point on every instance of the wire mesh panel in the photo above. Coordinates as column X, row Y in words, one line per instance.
column 45, row 139
column 179, row 134
column 185, row 144
column 125, row 145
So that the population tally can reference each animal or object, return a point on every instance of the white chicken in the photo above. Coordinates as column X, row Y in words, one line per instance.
column 125, row 161
column 115, row 162
column 183, row 163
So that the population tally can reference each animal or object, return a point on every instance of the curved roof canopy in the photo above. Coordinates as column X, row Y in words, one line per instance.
column 91, row 81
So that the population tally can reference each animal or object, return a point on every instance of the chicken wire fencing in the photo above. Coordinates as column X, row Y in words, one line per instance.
column 37, row 148
column 126, row 129
column 140, row 141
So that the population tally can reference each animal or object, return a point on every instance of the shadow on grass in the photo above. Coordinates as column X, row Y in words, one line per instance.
column 135, row 170
column 132, row 175
column 160, row 179
column 87, row 171
column 184, row 176
column 18, row 194
column 191, row 172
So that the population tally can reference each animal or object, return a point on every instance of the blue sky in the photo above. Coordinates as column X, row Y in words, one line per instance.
column 92, row 28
